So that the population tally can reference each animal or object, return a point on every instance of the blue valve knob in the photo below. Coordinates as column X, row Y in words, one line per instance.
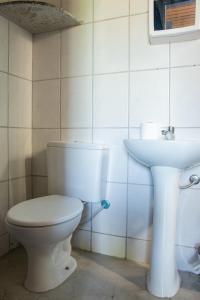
column 105, row 204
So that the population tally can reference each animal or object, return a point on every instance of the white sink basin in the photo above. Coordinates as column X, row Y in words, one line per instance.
column 166, row 159
column 176, row 154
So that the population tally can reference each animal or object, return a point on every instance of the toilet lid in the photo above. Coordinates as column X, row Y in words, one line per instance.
column 45, row 211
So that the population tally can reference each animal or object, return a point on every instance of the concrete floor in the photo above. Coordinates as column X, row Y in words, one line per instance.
column 97, row 277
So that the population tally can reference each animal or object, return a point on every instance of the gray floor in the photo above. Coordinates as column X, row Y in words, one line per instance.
column 97, row 277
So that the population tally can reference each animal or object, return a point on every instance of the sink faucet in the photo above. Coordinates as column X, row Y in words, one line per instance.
column 169, row 134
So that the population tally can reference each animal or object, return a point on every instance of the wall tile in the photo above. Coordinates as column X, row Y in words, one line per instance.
column 188, row 98
column 39, row 186
column 186, row 175
column 46, row 104
column 3, row 99
column 20, row 102
column 20, row 52
column 40, row 139
column 81, row 135
column 76, row 51
column 3, row 206
column 46, row 56
column 4, row 154
column 4, row 244
column 187, row 133
column 184, row 257
column 111, row 46
column 20, row 152
column 138, row 174
column 104, row 9
column 80, row 9
column 149, row 97
column 113, row 138
column 138, row 6
column 82, row 239
column 108, row 245
column 140, row 211
column 143, row 55
column 139, row 250
column 111, row 91
column 185, row 53
column 112, row 220
column 4, row 44
column 188, row 218
column 76, row 103
column 19, row 190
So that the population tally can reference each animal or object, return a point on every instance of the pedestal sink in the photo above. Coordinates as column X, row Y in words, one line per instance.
column 166, row 159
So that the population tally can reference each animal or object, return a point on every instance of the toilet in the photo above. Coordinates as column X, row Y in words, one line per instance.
column 44, row 226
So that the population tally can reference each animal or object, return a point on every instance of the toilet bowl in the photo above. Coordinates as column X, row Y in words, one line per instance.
column 44, row 227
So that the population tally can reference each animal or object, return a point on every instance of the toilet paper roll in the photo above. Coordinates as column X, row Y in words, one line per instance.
column 150, row 130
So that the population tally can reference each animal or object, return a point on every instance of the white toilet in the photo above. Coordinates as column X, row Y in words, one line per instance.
column 44, row 226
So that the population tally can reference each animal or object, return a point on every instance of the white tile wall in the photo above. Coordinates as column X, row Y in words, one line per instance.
column 40, row 140
column 188, row 234
column 4, row 44
column 3, row 206
column 108, row 245
column 39, row 186
column 112, row 220
column 82, row 9
column 20, row 152
column 111, row 91
column 149, row 104
column 139, row 250
column 82, row 240
column 76, row 51
column 138, row 174
column 140, row 211
column 113, row 138
column 3, row 99
column 76, row 103
column 4, row 244
column 46, row 58
column 111, row 46
column 20, row 99
column 19, row 190
column 138, row 6
column 188, row 115
column 143, row 55
column 20, row 52
column 104, row 9
column 111, row 80
column 46, row 98
column 71, row 135
column 179, row 53
column 4, row 154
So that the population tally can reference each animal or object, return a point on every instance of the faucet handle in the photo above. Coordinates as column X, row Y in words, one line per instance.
column 171, row 129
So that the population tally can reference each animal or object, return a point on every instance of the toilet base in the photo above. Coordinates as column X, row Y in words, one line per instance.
column 49, row 266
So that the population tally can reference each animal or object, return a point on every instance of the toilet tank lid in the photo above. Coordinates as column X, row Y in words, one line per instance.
column 77, row 145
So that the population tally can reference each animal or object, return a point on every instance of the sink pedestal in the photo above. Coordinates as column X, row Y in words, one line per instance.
column 164, row 279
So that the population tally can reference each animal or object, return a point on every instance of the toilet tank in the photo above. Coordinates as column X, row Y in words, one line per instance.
column 77, row 170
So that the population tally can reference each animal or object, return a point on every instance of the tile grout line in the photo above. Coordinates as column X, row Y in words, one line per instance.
column 129, row 101
column 60, row 79
column 8, row 133
column 32, row 123
column 110, row 73
column 170, row 84
column 91, row 237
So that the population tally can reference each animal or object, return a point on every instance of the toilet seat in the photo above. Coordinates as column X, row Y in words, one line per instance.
column 45, row 211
